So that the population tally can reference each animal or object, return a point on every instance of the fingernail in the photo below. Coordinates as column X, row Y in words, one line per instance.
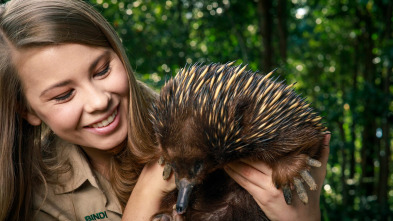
column 327, row 140
column 227, row 168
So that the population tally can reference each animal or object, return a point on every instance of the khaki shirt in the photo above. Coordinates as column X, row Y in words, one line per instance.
column 86, row 195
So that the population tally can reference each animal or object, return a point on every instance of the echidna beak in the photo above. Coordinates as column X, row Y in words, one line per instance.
column 185, row 189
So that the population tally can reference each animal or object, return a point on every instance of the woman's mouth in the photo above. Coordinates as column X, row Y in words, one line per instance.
column 106, row 126
column 105, row 122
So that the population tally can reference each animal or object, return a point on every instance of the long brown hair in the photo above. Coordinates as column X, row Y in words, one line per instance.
column 39, row 23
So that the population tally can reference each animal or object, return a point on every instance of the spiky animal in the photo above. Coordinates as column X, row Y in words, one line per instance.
column 210, row 115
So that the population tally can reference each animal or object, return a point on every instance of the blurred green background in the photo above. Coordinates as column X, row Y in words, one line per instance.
column 339, row 51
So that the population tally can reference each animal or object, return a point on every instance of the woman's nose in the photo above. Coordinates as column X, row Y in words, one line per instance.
column 97, row 100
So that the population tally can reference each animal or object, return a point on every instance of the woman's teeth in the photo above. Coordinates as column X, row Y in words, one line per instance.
column 105, row 122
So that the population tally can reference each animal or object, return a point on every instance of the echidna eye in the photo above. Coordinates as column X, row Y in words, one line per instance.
column 197, row 167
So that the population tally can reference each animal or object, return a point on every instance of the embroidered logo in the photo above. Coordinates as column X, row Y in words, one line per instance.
column 100, row 215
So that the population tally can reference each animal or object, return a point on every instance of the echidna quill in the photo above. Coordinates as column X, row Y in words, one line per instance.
column 210, row 115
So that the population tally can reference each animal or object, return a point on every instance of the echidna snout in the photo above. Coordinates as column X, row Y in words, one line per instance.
column 185, row 188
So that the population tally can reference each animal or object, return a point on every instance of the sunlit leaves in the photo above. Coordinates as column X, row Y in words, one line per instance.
column 325, row 55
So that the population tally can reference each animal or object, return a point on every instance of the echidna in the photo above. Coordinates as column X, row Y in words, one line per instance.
column 210, row 115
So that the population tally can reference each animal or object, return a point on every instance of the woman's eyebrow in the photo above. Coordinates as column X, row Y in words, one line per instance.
column 60, row 84
column 92, row 66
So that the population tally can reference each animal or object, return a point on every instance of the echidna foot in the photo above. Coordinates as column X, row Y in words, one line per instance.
column 299, row 188
column 167, row 168
column 161, row 161
column 313, row 162
column 309, row 180
column 167, row 171
column 298, row 183
column 301, row 192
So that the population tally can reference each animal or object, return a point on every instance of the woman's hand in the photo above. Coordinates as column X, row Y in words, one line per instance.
column 256, row 178
column 146, row 197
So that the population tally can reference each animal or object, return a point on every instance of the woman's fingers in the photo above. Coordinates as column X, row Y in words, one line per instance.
column 152, row 175
column 254, row 177
column 259, row 165
column 326, row 149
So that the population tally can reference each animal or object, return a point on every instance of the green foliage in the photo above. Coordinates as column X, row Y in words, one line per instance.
column 339, row 52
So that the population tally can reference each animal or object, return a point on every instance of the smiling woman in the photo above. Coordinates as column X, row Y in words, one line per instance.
column 71, row 110
column 76, row 89
column 76, row 138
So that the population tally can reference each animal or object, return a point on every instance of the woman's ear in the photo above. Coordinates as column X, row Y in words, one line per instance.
column 28, row 115
column 32, row 118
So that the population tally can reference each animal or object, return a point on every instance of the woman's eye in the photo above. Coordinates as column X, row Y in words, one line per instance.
column 64, row 96
column 103, row 72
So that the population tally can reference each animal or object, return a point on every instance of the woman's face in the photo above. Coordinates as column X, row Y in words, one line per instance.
column 80, row 92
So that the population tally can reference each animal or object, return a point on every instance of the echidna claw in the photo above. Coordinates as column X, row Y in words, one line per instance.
column 167, row 171
column 306, row 177
column 167, row 168
column 313, row 162
column 309, row 180
column 287, row 194
column 301, row 192
column 161, row 161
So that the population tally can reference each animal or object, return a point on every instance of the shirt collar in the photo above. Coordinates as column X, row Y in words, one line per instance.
column 80, row 173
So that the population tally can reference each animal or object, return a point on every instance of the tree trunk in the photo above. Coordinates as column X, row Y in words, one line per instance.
column 369, row 126
column 344, row 159
column 265, row 28
column 282, row 29
column 385, row 153
column 351, row 188
column 355, row 117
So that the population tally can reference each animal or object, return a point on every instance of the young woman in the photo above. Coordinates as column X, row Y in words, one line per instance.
column 76, row 140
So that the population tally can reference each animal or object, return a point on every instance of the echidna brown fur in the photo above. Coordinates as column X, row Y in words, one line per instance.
column 220, row 113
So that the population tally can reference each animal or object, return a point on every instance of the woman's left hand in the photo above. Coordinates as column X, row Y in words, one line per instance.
column 148, row 192
column 256, row 178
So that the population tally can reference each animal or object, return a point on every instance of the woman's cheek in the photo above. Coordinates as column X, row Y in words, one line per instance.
column 120, row 79
column 64, row 118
